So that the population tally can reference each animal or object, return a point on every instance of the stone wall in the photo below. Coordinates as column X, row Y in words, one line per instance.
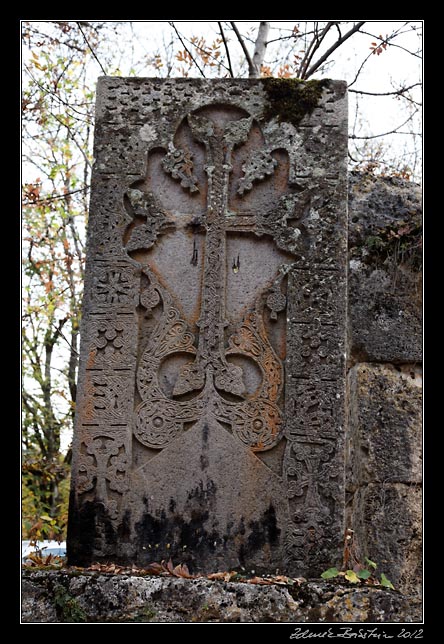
column 66, row 597
column 384, row 447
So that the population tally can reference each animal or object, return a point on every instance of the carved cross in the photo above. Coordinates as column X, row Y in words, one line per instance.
column 210, row 360
column 103, row 461
column 256, row 420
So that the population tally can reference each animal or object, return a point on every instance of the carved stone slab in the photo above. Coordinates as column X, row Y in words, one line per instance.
column 210, row 412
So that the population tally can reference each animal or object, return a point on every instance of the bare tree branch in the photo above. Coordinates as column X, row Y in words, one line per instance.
column 337, row 25
column 73, row 350
column 280, row 38
column 312, row 48
column 45, row 199
column 186, row 48
column 251, row 68
column 90, row 48
column 333, row 48
column 377, row 136
column 384, row 41
column 260, row 47
column 393, row 44
column 398, row 92
column 360, row 68
column 227, row 51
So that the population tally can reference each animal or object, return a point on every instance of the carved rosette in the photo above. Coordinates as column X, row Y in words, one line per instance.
column 114, row 288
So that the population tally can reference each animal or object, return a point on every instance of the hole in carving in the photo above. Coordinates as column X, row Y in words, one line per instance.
column 169, row 371
column 226, row 426
column 189, row 425
column 195, row 256
column 251, row 372
column 228, row 396
column 365, row 450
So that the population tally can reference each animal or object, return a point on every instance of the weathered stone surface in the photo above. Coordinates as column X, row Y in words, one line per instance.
column 210, row 411
column 387, row 519
column 385, row 470
column 63, row 597
column 385, row 280
column 385, row 430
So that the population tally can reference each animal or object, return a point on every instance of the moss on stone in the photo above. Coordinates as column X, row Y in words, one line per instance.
column 67, row 607
column 290, row 99
column 145, row 614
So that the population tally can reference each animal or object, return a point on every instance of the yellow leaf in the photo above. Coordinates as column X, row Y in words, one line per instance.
column 351, row 576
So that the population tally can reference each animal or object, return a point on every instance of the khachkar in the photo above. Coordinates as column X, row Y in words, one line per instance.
column 210, row 412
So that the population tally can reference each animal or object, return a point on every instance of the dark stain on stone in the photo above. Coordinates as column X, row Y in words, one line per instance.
column 203, row 495
column 189, row 539
column 151, row 530
column 193, row 534
column 85, row 539
column 205, row 435
column 165, row 537
column 204, row 462
column 264, row 531
column 124, row 530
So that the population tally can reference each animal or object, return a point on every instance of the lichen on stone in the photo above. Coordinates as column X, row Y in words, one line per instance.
column 290, row 99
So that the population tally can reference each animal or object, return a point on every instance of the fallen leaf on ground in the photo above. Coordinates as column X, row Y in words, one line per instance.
column 222, row 576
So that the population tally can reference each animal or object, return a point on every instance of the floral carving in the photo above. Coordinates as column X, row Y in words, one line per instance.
column 109, row 342
column 259, row 165
column 179, row 164
column 114, row 286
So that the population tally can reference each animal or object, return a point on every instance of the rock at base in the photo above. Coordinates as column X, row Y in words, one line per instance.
column 69, row 597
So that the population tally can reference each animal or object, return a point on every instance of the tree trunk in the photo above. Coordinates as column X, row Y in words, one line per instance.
column 260, row 48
